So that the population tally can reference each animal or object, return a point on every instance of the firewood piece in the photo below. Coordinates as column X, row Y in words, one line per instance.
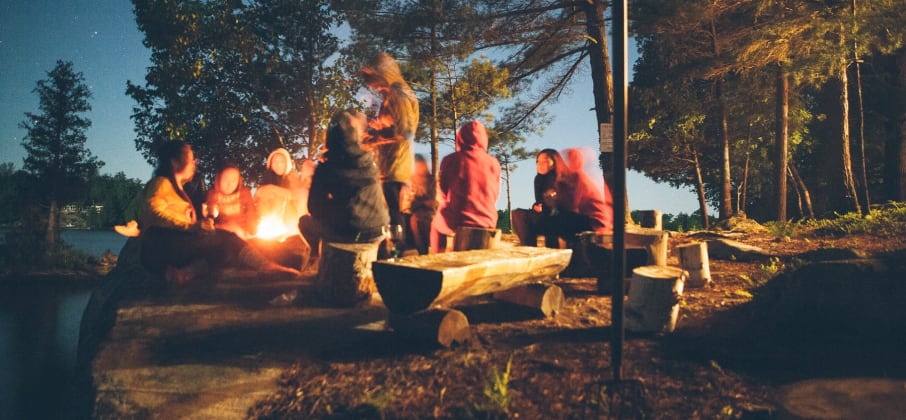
column 694, row 259
column 654, row 293
column 442, row 327
column 411, row 284
column 469, row 238
column 651, row 219
column 345, row 272
column 547, row 299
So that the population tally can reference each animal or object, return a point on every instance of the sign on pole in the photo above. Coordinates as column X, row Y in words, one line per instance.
column 605, row 137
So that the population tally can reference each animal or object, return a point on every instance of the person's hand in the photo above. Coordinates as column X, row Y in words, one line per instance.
column 537, row 207
column 206, row 224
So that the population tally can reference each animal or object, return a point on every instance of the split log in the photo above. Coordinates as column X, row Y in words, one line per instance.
column 345, row 273
column 654, row 293
column 469, row 238
column 411, row 284
column 651, row 219
column 546, row 299
column 694, row 259
column 433, row 327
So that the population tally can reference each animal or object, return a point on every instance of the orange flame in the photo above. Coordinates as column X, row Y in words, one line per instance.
column 271, row 227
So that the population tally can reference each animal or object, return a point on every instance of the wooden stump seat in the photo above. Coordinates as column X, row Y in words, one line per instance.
column 345, row 272
column 411, row 284
column 469, row 238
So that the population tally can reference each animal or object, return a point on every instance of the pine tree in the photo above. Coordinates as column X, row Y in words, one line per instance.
column 55, row 143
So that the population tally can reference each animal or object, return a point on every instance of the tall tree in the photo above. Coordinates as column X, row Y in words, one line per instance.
column 55, row 143
column 238, row 79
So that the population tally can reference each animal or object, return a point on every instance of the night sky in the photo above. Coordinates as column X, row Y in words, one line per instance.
column 101, row 39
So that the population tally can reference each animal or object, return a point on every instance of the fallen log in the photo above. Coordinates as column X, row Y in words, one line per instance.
column 546, row 299
column 414, row 283
column 433, row 327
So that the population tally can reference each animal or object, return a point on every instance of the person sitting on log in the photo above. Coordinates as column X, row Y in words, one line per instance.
column 230, row 203
column 578, row 203
column 346, row 200
column 526, row 222
column 178, row 244
column 469, row 185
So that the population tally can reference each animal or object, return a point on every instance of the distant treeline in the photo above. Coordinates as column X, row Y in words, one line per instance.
column 110, row 200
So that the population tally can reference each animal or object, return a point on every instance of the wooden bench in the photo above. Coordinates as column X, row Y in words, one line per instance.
column 413, row 288
column 593, row 252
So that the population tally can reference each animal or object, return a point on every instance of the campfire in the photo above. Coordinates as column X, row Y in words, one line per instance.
column 272, row 228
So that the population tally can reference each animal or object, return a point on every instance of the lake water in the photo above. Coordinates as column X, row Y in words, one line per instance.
column 39, row 332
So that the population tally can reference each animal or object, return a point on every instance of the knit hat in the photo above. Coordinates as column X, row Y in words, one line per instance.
column 282, row 152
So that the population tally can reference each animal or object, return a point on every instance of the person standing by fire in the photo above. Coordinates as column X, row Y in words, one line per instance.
column 391, row 133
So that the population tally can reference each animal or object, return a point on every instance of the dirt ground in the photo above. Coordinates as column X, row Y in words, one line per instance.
column 725, row 359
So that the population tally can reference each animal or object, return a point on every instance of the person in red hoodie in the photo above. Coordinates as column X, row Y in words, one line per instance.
column 469, row 185
column 580, row 204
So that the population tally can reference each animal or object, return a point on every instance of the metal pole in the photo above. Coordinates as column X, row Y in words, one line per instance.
column 620, row 29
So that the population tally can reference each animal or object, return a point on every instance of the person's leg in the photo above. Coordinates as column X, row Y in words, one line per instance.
column 525, row 225
column 392, row 196
column 312, row 233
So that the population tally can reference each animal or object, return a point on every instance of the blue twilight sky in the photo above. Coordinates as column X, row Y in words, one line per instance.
column 101, row 39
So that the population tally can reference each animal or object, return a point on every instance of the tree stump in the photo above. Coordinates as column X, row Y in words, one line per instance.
column 694, row 259
column 344, row 273
column 652, row 240
column 546, row 299
column 433, row 327
column 654, row 293
column 651, row 219
column 469, row 238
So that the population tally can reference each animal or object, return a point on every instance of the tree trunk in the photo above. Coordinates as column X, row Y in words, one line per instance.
column 700, row 188
column 726, row 197
column 743, row 187
column 602, row 82
column 860, row 142
column 798, row 193
column 50, row 235
column 781, row 147
column 434, row 134
column 850, row 200
column 806, row 196
column 509, row 198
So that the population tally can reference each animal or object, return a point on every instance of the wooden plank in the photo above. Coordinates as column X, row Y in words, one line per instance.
column 414, row 283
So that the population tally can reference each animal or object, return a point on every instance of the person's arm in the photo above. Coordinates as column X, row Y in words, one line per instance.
column 166, row 208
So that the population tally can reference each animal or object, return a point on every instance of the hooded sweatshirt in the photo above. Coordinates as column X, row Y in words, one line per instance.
column 346, row 198
column 469, row 182
column 578, row 193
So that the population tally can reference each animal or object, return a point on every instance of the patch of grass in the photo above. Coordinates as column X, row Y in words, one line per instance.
column 787, row 229
column 497, row 395
column 888, row 220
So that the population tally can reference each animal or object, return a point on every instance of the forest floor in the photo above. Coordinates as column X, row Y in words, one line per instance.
column 729, row 357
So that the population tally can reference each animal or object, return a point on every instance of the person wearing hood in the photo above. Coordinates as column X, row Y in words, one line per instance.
column 391, row 133
column 469, row 182
column 230, row 203
column 346, row 201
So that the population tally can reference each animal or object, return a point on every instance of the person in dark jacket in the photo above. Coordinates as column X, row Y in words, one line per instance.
column 550, row 169
column 346, row 200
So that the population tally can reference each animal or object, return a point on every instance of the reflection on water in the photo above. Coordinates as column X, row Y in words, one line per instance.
column 39, row 332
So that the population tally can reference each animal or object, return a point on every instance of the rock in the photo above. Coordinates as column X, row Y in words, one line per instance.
column 739, row 223
column 853, row 398
column 831, row 254
column 726, row 249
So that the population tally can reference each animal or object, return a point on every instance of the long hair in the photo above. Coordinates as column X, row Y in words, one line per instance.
column 560, row 168
column 168, row 152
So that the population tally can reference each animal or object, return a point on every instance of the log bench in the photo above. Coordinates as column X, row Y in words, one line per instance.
column 593, row 252
column 419, row 290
